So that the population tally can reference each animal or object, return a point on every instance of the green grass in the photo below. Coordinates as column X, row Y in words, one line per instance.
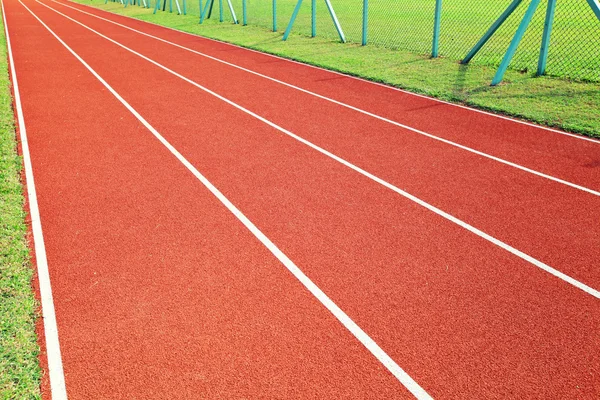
column 19, row 369
column 573, row 106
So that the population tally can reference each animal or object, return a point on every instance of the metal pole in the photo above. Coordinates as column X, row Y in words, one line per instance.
column 274, row 15
column 206, row 7
column 235, row 20
column 313, row 18
column 220, row 10
column 294, row 15
column 338, row 27
column 546, row 37
column 244, row 17
column 491, row 31
column 212, row 3
column 365, row 21
column 512, row 48
column 436, row 29
column 595, row 7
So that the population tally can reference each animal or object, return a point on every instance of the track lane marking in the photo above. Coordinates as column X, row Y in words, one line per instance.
column 359, row 110
column 443, row 214
column 346, row 321
column 465, row 107
column 56, row 374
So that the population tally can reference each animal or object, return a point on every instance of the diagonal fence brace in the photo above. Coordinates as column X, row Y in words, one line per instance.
column 334, row 18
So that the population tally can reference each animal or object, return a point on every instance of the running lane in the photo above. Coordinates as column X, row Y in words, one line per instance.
column 159, row 291
column 463, row 317
column 552, row 222
column 573, row 159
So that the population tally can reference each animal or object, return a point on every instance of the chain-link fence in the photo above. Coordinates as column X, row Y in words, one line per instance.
column 574, row 50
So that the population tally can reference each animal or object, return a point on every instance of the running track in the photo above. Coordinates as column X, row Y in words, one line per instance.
column 220, row 223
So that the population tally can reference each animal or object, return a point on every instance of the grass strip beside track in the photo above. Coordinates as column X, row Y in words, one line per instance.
column 572, row 106
column 19, row 367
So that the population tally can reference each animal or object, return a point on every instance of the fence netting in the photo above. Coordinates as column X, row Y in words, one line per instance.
column 574, row 50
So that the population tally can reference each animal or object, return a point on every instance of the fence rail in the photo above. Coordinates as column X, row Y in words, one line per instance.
column 446, row 28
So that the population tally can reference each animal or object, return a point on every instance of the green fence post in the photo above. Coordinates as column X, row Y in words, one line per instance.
column 512, row 48
column 206, row 8
column 313, row 18
column 170, row 6
column 546, row 37
column 244, row 17
column 184, row 8
column 491, row 31
column 291, row 23
column 365, row 21
column 274, row 15
column 220, row 10
column 436, row 29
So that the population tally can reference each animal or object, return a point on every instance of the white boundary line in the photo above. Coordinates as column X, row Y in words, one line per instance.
column 55, row 367
column 507, row 118
column 362, row 336
column 359, row 110
column 361, row 171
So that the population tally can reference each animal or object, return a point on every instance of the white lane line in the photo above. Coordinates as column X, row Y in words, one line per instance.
column 359, row 110
column 361, row 335
column 497, row 242
column 55, row 366
column 507, row 118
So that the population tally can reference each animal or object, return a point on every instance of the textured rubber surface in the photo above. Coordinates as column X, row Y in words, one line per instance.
column 479, row 191
column 161, row 293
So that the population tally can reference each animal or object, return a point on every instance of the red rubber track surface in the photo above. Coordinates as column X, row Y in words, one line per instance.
column 161, row 293
column 479, row 191
column 530, row 146
column 146, row 311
